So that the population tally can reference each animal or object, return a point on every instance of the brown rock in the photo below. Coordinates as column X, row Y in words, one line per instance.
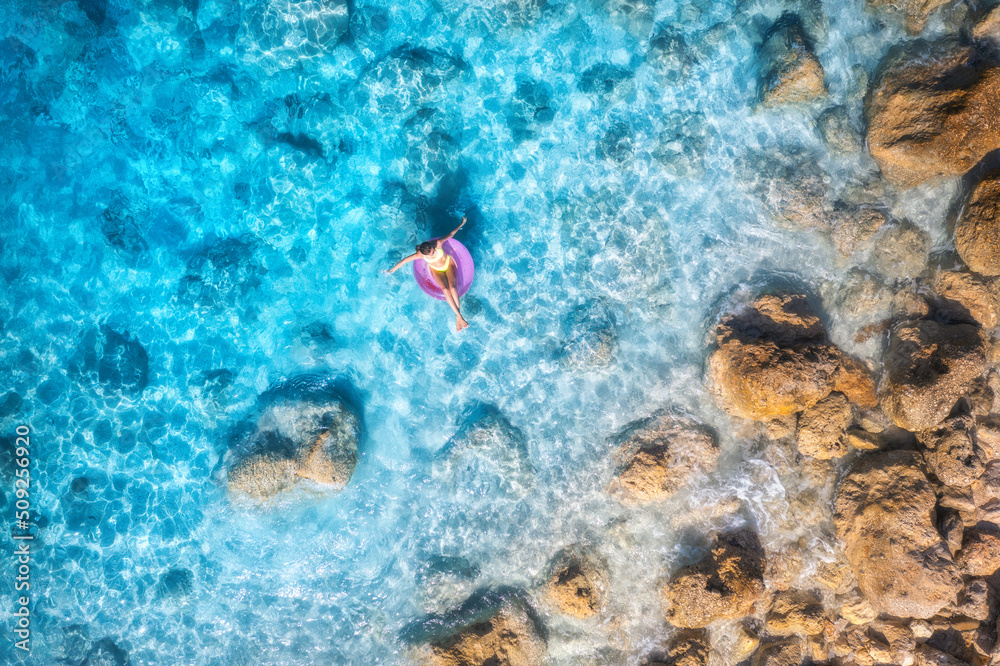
column 912, row 14
column 932, row 112
column 968, row 298
column 977, row 234
column 973, row 601
column 663, row 453
column 854, row 381
column 796, row 612
column 928, row 368
column 774, row 359
column 988, row 28
column 794, row 74
column 985, row 493
column 951, row 453
column 782, row 653
column 577, row 584
column 952, row 528
column 931, row 656
column 863, row 440
column 851, row 227
column 884, row 515
column 838, row 133
column 723, row 585
column 507, row 637
column 688, row 648
column 781, row 427
column 262, row 476
column 877, row 643
column 858, row 611
column 315, row 438
column 900, row 250
column 822, row 428
column 980, row 554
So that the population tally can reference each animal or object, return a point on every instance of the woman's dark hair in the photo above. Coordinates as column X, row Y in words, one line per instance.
column 427, row 247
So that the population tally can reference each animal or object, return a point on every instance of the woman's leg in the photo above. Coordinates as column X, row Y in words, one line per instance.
column 442, row 281
column 453, row 286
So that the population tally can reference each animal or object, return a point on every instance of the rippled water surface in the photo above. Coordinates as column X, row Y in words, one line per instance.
column 214, row 187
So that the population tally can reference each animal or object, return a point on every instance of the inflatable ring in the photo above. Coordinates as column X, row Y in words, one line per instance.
column 465, row 270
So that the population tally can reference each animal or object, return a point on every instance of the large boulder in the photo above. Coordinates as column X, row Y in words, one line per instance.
column 794, row 74
column 968, row 298
column 773, row 359
column 951, row 452
column 577, row 584
column 977, row 234
column 885, row 517
column 932, row 112
column 662, row 454
column 725, row 584
column 928, row 368
column 688, row 648
column 796, row 613
column 300, row 434
column 507, row 635
column 980, row 554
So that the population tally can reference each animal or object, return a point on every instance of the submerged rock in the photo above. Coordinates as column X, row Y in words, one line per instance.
column 662, row 454
column 774, row 359
column 577, row 584
column 635, row 16
column 977, row 234
column 884, row 515
column 725, row 584
column 912, row 14
column 794, row 74
column 900, row 250
column 489, row 454
column 928, row 368
column 278, row 37
column 681, row 146
column 792, row 187
column 688, row 648
column 932, row 112
column 605, row 81
column 593, row 338
column 838, row 132
column 106, row 652
column 299, row 436
column 670, row 56
column 114, row 361
column 851, row 227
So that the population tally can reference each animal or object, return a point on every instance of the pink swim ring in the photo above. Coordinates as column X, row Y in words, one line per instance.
column 465, row 270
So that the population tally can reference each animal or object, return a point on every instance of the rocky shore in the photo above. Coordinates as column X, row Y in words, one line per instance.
column 900, row 448
column 902, row 445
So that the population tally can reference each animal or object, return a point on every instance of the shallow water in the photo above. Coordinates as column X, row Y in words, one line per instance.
column 225, row 181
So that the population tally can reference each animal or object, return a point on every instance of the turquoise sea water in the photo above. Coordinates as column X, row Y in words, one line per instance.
column 197, row 201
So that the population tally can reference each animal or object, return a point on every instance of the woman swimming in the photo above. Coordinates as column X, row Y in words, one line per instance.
column 442, row 269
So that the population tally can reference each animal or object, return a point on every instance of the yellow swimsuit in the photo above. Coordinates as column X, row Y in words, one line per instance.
column 435, row 261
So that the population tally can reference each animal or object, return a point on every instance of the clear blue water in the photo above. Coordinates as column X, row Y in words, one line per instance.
column 224, row 181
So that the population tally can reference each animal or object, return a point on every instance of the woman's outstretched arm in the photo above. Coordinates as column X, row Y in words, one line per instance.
column 403, row 261
column 452, row 234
